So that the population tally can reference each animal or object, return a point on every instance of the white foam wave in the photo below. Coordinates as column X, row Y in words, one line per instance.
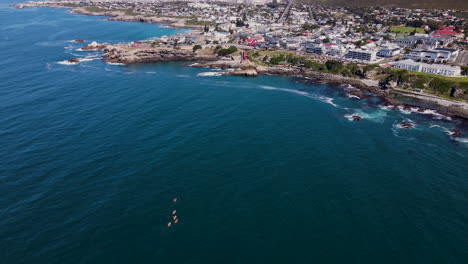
column 320, row 98
column 348, row 87
column 461, row 140
column 375, row 116
column 183, row 76
column 435, row 114
column 151, row 72
column 210, row 74
column 282, row 89
column 115, row 63
column 353, row 96
column 387, row 107
column 451, row 133
column 87, row 59
column 417, row 110
column 66, row 62
column 396, row 129
column 351, row 116
column 327, row 100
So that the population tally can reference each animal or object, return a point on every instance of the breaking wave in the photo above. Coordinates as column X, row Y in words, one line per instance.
column 66, row 62
column 210, row 74
column 375, row 116
column 324, row 99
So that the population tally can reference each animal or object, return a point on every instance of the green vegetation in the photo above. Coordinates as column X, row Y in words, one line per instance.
column 406, row 30
column 464, row 70
column 461, row 80
column 440, row 85
column 128, row 12
column 436, row 84
column 197, row 47
column 224, row 52
column 70, row 5
column 96, row 9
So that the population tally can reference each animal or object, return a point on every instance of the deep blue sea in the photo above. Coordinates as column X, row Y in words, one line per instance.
column 265, row 170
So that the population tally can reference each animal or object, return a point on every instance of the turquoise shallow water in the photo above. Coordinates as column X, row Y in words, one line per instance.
column 266, row 169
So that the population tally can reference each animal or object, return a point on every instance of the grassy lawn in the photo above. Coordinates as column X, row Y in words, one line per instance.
column 405, row 30
column 273, row 53
column 96, row 9
column 462, row 79
column 194, row 22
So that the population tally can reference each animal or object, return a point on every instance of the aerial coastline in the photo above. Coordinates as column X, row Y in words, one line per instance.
column 197, row 141
column 243, row 59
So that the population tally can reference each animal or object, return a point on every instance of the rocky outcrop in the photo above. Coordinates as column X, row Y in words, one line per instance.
column 456, row 133
column 248, row 72
column 78, row 40
column 94, row 46
column 74, row 60
column 406, row 125
column 118, row 54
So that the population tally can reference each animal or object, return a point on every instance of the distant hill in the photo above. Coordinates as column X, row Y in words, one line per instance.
column 427, row 4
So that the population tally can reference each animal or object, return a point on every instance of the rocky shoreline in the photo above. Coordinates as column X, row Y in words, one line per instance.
column 362, row 88
column 120, row 54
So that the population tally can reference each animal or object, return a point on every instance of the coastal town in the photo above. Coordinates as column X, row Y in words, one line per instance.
column 416, row 52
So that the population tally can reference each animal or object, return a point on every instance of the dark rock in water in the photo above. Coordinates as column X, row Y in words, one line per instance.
column 406, row 125
column 356, row 118
column 78, row 40
column 74, row 60
column 456, row 133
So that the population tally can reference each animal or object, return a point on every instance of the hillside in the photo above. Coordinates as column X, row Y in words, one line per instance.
column 427, row 4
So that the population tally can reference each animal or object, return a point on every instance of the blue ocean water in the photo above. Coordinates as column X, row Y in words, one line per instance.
column 265, row 170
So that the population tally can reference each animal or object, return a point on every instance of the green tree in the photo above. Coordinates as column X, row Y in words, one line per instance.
column 224, row 52
column 277, row 60
column 440, row 86
column 334, row 66
column 464, row 70
column 196, row 47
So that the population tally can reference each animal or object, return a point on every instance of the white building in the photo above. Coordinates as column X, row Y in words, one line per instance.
column 438, row 69
column 388, row 51
column 362, row 55
column 434, row 55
